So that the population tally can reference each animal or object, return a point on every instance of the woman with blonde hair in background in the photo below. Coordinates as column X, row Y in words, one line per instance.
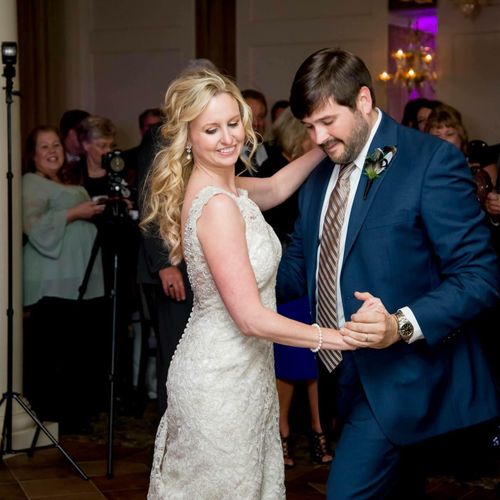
column 219, row 437
column 293, row 365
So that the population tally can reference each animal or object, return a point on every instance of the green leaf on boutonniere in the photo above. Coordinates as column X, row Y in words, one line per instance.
column 375, row 164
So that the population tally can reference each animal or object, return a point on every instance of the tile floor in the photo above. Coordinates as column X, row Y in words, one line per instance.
column 48, row 475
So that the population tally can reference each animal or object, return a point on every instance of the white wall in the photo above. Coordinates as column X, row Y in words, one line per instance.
column 275, row 36
column 469, row 67
column 120, row 56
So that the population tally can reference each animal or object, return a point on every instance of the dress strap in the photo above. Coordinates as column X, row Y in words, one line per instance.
column 204, row 196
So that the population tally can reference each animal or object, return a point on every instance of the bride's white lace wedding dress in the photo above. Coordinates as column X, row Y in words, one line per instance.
column 219, row 438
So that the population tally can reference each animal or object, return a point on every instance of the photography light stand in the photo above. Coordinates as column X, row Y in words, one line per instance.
column 9, row 59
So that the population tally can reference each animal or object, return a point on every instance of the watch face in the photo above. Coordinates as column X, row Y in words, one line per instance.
column 405, row 328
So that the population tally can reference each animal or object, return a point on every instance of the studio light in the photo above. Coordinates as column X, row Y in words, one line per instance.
column 9, row 53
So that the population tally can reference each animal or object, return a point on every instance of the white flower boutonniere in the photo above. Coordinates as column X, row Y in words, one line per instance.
column 375, row 164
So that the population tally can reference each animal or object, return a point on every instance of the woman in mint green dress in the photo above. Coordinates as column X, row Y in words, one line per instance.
column 59, row 238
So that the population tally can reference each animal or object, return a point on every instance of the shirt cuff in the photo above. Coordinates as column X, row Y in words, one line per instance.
column 417, row 332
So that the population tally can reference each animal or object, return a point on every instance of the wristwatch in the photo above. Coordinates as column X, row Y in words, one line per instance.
column 405, row 328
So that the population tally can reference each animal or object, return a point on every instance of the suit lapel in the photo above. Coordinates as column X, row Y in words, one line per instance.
column 386, row 136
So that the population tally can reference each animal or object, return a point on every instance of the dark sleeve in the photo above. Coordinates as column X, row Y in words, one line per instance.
column 460, row 239
column 155, row 253
column 281, row 217
column 291, row 280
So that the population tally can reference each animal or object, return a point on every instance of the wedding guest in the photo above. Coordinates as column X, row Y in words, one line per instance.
column 98, row 137
column 118, row 238
column 278, row 108
column 417, row 111
column 55, row 257
column 293, row 364
column 257, row 102
column 446, row 123
column 166, row 292
column 148, row 118
column 68, row 126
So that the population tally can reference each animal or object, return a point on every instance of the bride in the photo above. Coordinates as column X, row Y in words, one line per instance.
column 219, row 437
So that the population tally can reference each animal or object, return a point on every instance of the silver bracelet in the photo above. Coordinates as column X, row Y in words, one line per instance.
column 320, row 338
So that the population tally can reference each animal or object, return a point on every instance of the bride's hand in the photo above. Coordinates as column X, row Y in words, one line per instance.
column 333, row 339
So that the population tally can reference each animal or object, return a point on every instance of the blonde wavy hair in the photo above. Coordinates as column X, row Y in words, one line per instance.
column 289, row 134
column 185, row 100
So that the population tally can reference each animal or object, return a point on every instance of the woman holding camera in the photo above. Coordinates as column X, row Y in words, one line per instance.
column 118, row 236
column 97, row 136
column 59, row 239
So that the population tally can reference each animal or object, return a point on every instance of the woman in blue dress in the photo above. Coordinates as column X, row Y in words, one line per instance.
column 293, row 364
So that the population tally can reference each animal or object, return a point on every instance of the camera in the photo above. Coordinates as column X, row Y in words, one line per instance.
column 114, row 164
column 480, row 153
column 118, row 191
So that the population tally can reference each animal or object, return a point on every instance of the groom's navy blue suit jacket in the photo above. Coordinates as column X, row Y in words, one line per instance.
column 418, row 240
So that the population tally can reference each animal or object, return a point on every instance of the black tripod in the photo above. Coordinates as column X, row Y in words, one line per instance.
column 9, row 58
column 114, row 214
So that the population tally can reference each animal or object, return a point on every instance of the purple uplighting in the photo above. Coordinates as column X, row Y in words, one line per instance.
column 426, row 22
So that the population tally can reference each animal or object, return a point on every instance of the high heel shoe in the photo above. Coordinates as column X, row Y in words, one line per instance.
column 287, row 452
column 319, row 449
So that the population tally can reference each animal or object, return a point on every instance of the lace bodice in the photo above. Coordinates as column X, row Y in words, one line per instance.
column 219, row 438
column 263, row 247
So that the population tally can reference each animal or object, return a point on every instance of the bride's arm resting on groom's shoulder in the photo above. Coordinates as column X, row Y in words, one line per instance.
column 271, row 191
column 221, row 232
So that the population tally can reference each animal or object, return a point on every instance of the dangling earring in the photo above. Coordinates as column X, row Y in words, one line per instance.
column 188, row 153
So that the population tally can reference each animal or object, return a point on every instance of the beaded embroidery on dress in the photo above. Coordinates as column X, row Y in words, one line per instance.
column 219, row 438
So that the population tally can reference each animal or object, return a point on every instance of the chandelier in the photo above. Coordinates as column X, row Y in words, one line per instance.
column 470, row 8
column 414, row 65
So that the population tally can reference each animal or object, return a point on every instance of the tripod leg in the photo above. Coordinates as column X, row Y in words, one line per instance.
column 40, row 425
column 31, row 451
column 4, row 427
column 111, row 415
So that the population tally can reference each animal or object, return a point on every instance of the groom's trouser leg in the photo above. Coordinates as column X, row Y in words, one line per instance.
column 366, row 463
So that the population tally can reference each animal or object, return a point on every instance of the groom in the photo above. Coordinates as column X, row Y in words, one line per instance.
column 413, row 236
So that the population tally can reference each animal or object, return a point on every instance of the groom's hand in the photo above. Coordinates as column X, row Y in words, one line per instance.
column 372, row 325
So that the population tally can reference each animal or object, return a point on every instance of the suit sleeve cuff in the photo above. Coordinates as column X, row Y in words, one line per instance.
column 417, row 332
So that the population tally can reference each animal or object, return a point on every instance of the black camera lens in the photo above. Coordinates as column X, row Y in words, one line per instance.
column 116, row 164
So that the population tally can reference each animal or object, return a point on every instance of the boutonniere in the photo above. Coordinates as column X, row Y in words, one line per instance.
column 375, row 164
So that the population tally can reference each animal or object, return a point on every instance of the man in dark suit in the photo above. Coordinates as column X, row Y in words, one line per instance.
column 415, row 238
column 166, row 288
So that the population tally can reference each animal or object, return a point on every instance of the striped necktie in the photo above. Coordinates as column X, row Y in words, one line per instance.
column 328, row 261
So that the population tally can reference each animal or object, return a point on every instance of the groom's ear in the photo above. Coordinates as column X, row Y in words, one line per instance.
column 364, row 100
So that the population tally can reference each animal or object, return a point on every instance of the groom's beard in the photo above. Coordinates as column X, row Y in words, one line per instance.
column 352, row 145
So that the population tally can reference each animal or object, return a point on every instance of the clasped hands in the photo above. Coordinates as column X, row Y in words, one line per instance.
column 371, row 326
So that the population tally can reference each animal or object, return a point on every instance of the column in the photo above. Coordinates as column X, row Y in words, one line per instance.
column 22, row 425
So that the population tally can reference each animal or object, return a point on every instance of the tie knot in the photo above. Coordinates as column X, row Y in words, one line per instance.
column 346, row 171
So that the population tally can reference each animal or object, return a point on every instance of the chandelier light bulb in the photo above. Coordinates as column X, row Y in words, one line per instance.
column 384, row 76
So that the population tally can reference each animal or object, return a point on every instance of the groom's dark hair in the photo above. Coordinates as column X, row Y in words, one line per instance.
column 328, row 73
